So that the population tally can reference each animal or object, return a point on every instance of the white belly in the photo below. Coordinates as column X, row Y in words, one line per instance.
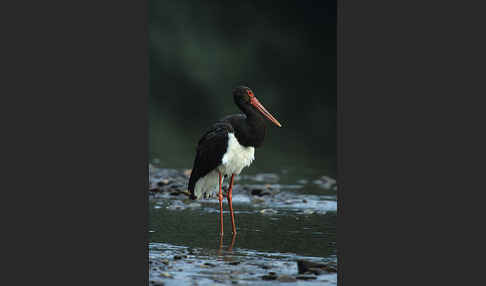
column 234, row 160
column 236, row 157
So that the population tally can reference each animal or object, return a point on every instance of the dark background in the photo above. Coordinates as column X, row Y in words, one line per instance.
column 286, row 53
column 75, row 162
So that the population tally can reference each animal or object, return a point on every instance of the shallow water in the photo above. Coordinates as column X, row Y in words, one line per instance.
column 296, row 220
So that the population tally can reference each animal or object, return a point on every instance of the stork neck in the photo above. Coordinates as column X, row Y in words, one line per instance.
column 253, row 131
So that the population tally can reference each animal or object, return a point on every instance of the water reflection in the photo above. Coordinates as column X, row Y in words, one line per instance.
column 230, row 247
column 286, row 231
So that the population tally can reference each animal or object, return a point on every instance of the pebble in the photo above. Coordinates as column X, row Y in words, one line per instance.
column 325, row 182
column 313, row 267
column 258, row 200
column 308, row 211
column 328, row 180
column 163, row 182
column 286, row 278
column 260, row 192
column 176, row 205
column 268, row 211
column 194, row 205
column 269, row 277
column 306, row 277
column 209, row 264
column 316, row 271
column 166, row 275
column 302, row 182
column 265, row 177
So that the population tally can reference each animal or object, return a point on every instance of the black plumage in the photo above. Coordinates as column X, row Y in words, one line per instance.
column 249, row 130
column 210, row 151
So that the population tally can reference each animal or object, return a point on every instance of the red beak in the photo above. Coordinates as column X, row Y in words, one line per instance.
column 254, row 101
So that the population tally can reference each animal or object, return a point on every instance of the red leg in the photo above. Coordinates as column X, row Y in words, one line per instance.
column 220, row 249
column 232, row 242
column 220, row 205
column 230, row 197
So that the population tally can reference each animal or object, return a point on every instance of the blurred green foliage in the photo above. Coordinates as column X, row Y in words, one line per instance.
column 285, row 51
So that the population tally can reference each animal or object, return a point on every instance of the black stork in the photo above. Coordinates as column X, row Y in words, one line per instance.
column 227, row 147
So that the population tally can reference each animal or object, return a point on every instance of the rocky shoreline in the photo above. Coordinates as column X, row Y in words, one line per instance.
column 264, row 189
column 170, row 264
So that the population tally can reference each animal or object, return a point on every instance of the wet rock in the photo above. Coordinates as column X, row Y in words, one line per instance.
column 313, row 267
column 163, row 182
column 264, row 266
column 325, row 182
column 286, row 278
column 331, row 268
column 270, row 276
column 306, row 277
column 308, row 211
column 209, row 264
column 268, row 211
column 157, row 283
column 187, row 172
column 262, row 177
column 166, row 275
column 176, row 205
column 165, row 261
column 166, row 180
column 234, row 262
column 258, row 200
column 260, row 192
column 328, row 180
column 178, row 257
column 316, row 271
column 194, row 205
